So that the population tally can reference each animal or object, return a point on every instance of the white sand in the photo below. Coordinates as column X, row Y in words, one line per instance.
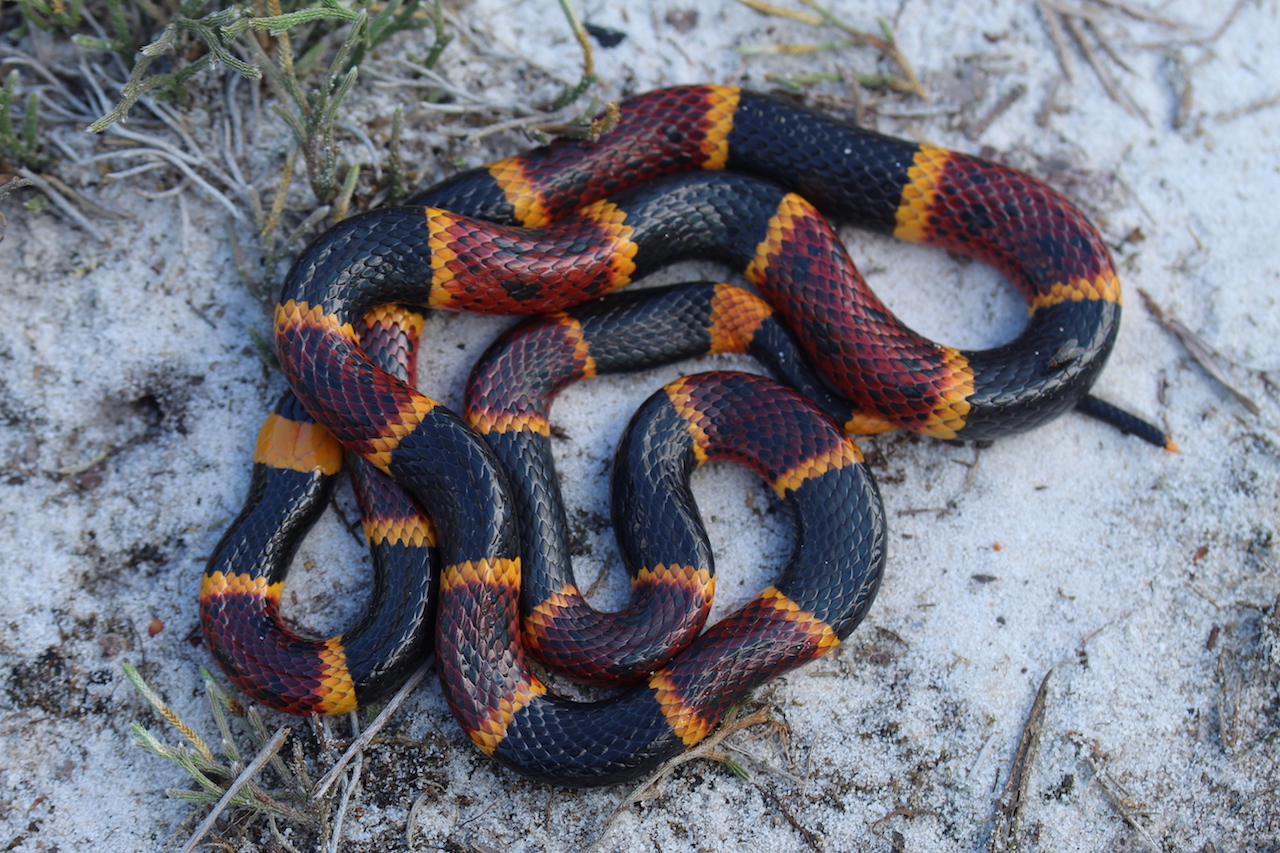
column 1145, row 581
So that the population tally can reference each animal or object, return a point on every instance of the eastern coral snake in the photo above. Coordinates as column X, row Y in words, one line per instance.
column 704, row 171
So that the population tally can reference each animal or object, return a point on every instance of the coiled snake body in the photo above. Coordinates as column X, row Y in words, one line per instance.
column 697, row 171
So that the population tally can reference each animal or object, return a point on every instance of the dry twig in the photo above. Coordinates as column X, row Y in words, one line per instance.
column 709, row 749
column 1071, row 20
column 1059, row 40
column 1144, row 15
column 1130, row 809
column 1198, row 349
column 895, row 839
column 1247, row 109
column 975, row 131
column 1007, row 832
column 42, row 183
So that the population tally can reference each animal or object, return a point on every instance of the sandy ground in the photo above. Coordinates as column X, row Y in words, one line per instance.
column 1143, row 584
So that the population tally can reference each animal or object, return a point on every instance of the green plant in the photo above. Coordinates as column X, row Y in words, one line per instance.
column 19, row 141
column 213, row 776
column 231, row 782
column 228, row 34
column 55, row 14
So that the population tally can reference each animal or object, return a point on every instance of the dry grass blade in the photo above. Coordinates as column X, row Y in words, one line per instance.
column 829, row 18
column 82, row 200
column 1050, row 105
column 179, row 163
column 1105, row 44
column 1198, row 349
column 811, row 18
column 1222, row 28
column 1080, row 12
column 796, row 48
column 350, row 789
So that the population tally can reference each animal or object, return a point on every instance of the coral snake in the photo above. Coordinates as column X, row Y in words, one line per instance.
column 695, row 171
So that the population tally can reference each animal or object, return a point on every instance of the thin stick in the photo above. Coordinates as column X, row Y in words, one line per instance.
column 1105, row 44
column 263, row 756
column 348, row 791
column 322, row 787
column 809, row 838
